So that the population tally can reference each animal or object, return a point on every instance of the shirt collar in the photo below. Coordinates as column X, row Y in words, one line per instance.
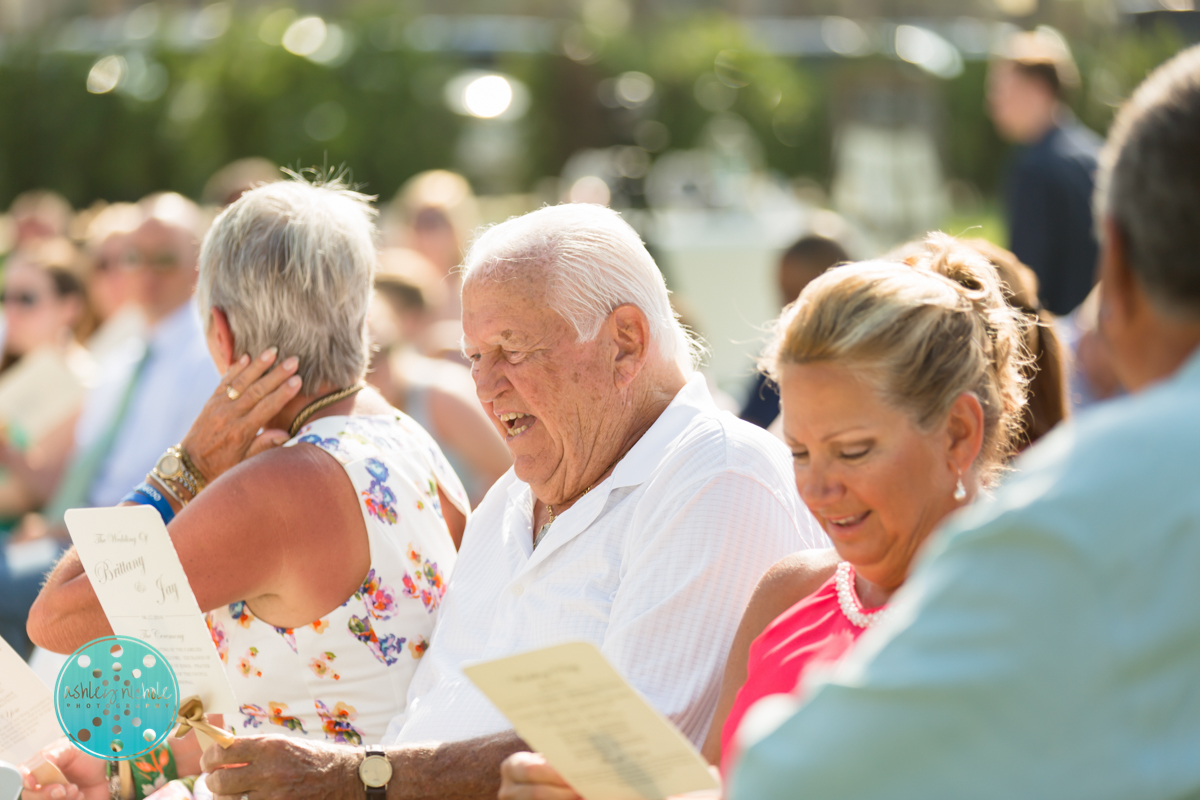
column 644, row 458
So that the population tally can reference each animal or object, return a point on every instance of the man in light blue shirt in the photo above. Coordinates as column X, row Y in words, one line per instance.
column 150, row 391
column 1048, row 642
column 147, row 394
column 175, row 380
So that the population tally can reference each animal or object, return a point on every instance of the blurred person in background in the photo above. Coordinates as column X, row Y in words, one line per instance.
column 1047, row 642
column 893, row 424
column 435, row 214
column 1092, row 377
column 1050, row 178
column 46, row 303
column 238, row 177
column 147, row 393
column 39, row 214
column 118, row 315
column 799, row 265
column 47, row 312
column 438, row 394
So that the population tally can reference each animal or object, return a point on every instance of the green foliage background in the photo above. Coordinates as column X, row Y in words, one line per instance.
column 257, row 96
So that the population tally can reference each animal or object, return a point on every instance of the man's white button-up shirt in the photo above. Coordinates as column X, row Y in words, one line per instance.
column 654, row 565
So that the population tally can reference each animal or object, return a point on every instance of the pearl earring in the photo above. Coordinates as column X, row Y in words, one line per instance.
column 960, row 491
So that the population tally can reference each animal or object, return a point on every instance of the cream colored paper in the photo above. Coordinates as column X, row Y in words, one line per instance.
column 39, row 393
column 133, row 566
column 570, row 704
column 27, row 719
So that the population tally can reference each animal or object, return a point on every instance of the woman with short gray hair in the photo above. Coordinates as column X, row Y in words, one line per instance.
column 321, row 563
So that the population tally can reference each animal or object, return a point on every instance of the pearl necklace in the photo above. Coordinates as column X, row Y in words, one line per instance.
column 849, row 601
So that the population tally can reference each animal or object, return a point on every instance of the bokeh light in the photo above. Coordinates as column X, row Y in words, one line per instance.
column 106, row 74
column 488, row 96
column 304, row 36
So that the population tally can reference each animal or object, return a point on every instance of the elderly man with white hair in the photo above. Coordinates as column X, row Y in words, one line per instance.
column 637, row 516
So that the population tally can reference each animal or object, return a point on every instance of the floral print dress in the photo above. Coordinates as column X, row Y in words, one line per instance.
column 344, row 676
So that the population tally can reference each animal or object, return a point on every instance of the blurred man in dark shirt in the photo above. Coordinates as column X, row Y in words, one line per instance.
column 1049, row 186
column 799, row 264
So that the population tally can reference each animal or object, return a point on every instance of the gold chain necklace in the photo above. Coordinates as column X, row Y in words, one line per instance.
column 320, row 403
column 542, row 531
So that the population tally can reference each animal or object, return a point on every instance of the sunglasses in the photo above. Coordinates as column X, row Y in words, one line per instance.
column 23, row 299
column 158, row 262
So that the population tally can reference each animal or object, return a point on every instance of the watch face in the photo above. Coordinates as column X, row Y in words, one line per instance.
column 375, row 771
column 170, row 465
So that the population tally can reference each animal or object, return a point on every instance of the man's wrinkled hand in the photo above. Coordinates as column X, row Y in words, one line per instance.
column 283, row 768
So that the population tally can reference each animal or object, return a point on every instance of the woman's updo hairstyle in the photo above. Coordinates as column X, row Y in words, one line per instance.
column 922, row 333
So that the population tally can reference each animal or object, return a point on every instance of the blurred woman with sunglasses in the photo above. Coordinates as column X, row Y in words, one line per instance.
column 44, row 371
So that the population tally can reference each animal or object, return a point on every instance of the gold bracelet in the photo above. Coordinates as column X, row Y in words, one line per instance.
column 191, row 468
column 185, row 479
column 161, row 481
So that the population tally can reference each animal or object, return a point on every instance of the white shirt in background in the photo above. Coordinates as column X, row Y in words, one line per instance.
column 655, row 566
column 177, row 379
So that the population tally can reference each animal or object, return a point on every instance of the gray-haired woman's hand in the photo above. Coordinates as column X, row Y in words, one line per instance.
column 227, row 430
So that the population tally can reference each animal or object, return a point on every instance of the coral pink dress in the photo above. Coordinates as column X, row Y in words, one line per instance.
column 818, row 629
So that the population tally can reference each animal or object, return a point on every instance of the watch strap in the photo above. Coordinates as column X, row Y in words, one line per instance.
column 376, row 792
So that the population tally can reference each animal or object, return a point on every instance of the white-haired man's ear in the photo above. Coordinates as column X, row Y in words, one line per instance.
column 630, row 334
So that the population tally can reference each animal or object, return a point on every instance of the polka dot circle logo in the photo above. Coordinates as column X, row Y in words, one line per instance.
column 116, row 698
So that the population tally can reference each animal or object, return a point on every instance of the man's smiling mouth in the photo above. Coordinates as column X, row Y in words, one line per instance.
column 516, row 423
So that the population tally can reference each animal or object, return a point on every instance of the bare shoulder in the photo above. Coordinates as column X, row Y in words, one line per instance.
column 789, row 581
column 275, row 509
column 300, row 488
column 292, row 515
column 293, row 469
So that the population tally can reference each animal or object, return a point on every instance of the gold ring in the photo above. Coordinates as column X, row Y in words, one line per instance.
column 232, row 393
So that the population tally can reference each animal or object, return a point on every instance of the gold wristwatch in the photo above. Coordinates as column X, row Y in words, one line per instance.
column 375, row 771
column 174, row 465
